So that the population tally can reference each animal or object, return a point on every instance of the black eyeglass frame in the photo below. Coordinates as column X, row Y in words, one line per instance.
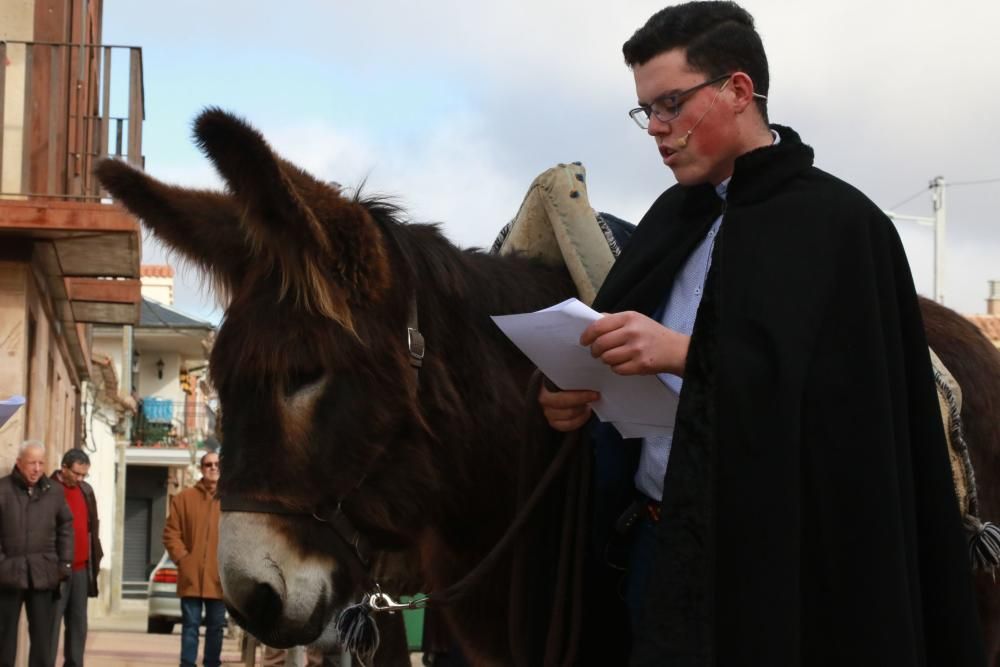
column 642, row 113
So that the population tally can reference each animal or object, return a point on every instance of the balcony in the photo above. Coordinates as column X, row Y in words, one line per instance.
column 67, row 95
column 173, row 424
column 64, row 107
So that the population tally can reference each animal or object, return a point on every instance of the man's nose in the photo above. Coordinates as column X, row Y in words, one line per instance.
column 657, row 126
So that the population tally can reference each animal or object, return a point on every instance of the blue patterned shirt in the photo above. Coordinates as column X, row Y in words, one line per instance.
column 678, row 314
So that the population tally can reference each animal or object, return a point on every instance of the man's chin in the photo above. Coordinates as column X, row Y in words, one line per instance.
column 690, row 178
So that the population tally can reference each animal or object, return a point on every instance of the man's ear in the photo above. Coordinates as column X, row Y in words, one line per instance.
column 742, row 89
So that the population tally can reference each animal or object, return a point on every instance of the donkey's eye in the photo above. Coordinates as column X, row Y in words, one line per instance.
column 301, row 378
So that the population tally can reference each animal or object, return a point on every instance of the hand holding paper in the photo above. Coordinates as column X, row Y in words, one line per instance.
column 638, row 405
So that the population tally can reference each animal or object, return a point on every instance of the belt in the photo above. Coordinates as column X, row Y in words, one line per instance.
column 642, row 506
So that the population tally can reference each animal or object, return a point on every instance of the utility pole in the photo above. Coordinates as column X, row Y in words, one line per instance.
column 937, row 187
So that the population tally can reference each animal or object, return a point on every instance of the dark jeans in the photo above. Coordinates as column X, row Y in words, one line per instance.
column 72, row 608
column 41, row 611
column 215, row 622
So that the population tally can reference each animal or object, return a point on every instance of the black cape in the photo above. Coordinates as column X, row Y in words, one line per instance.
column 808, row 513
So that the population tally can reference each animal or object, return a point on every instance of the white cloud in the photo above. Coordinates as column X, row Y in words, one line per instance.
column 889, row 93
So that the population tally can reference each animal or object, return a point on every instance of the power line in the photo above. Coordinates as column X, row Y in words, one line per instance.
column 979, row 182
column 921, row 191
column 911, row 197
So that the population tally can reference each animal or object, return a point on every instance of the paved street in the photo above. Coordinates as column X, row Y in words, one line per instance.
column 122, row 641
column 108, row 648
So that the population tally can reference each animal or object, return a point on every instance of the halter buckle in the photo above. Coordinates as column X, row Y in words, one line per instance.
column 415, row 343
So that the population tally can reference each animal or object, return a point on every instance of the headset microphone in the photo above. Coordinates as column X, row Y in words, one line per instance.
column 683, row 141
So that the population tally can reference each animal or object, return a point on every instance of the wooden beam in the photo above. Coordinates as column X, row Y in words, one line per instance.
column 136, row 112
column 102, row 142
column 94, row 312
column 59, row 216
column 106, row 291
column 27, row 148
column 3, row 93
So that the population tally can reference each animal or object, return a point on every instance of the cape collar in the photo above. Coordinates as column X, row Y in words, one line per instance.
column 681, row 217
column 757, row 174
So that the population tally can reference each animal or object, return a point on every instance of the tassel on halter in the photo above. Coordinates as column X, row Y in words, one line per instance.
column 358, row 632
column 984, row 544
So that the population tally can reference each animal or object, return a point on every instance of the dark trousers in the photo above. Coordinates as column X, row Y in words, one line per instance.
column 215, row 623
column 640, row 563
column 72, row 609
column 41, row 611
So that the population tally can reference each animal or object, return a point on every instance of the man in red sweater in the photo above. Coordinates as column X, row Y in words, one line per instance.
column 87, row 555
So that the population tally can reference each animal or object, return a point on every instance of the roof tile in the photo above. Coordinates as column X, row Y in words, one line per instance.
column 157, row 271
column 989, row 325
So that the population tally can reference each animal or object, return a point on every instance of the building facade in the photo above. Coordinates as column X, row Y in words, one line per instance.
column 69, row 259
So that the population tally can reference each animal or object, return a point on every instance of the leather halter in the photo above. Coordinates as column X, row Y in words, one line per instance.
column 335, row 519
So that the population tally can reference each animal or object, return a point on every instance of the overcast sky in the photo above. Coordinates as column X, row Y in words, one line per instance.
column 454, row 107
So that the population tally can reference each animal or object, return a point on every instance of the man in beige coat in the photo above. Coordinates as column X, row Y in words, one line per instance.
column 191, row 537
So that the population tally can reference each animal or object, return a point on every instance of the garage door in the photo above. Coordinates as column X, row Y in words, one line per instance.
column 138, row 513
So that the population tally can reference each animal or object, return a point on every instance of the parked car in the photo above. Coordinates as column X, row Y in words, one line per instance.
column 164, row 605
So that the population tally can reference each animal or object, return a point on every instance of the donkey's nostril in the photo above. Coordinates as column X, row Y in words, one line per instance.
column 264, row 604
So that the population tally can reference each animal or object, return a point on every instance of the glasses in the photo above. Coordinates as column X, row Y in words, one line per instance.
column 210, row 464
column 78, row 475
column 668, row 107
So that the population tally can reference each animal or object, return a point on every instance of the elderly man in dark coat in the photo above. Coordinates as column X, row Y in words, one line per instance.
column 36, row 553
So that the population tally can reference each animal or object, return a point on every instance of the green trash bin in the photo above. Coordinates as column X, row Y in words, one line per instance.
column 413, row 619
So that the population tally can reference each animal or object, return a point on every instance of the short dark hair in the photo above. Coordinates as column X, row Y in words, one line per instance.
column 75, row 456
column 717, row 38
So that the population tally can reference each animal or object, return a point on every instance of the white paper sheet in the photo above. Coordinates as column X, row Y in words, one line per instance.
column 8, row 407
column 638, row 405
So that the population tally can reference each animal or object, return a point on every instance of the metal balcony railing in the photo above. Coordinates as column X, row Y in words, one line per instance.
column 67, row 95
column 165, row 423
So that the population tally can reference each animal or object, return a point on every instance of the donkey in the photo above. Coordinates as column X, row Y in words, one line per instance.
column 326, row 415
column 321, row 407
column 975, row 364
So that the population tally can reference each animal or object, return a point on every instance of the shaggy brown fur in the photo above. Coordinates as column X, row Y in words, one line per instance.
column 319, row 289
column 975, row 363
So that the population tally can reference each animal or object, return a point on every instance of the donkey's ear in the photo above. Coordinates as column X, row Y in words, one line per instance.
column 201, row 225
column 306, row 225
column 258, row 178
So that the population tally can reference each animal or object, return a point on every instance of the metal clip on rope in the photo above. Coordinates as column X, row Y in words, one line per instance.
column 379, row 601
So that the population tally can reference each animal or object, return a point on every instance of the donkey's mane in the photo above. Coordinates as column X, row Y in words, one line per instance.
column 496, row 285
